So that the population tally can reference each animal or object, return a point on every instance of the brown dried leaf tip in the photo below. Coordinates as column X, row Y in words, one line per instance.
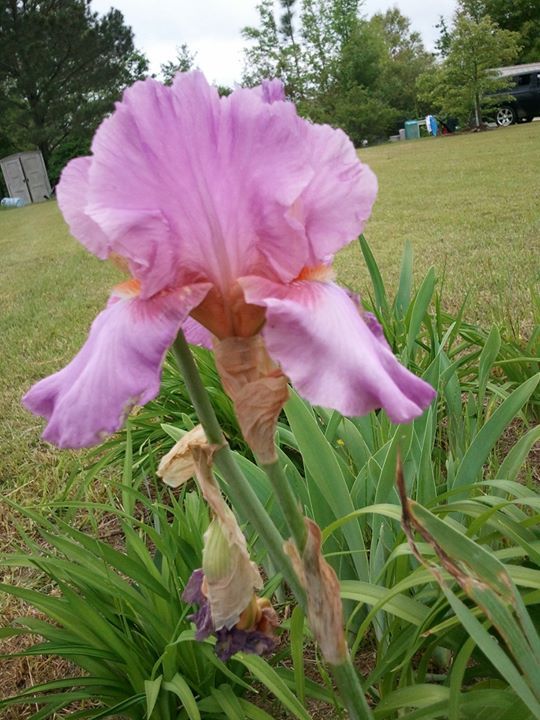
column 469, row 578
column 257, row 388
column 325, row 612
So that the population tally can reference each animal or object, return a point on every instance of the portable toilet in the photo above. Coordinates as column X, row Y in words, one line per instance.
column 412, row 130
column 26, row 177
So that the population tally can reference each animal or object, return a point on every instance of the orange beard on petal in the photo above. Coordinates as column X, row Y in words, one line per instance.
column 128, row 289
column 229, row 316
column 322, row 273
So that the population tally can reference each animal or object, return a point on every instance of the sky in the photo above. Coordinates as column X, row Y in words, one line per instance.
column 212, row 28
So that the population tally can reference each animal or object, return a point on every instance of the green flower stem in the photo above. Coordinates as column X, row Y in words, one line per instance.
column 350, row 690
column 244, row 497
column 345, row 675
column 288, row 503
column 242, row 494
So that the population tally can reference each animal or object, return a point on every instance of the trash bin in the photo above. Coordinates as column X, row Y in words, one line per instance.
column 412, row 131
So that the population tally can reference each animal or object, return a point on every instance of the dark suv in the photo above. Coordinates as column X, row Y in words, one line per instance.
column 522, row 101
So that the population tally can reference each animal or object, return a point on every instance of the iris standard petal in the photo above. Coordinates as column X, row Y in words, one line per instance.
column 119, row 366
column 272, row 90
column 331, row 356
column 337, row 203
column 72, row 194
column 189, row 186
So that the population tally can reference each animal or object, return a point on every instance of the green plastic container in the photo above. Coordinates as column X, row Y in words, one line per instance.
column 412, row 130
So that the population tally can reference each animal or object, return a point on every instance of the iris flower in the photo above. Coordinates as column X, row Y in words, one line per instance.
column 226, row 212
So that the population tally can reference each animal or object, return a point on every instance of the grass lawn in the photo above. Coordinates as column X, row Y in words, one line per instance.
column 468, row 204
column 50, row 289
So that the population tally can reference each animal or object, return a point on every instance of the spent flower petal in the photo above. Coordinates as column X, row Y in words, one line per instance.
column 225, row 587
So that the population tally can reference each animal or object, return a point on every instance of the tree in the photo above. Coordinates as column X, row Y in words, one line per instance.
column 404, row 60
column 262, row 55
column 184, row 61
column 62, row 66
column 290, row 48
column 326, row 28
column 302, row 47
column 462, row 82
column 346, row 71
column 521, row 16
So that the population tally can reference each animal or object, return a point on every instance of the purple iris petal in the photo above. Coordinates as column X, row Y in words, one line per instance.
column 232, row 641
column 228, row 641
column 193, row 594
column 118, row 366
column 193, row 591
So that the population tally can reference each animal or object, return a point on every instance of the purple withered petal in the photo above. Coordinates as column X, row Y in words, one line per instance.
column 193, row 594
column 193, row 591
column 232, row 641
column 228, row 640
column 202, row 619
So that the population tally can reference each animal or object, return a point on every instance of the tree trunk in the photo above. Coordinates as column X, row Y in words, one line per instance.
column 477, row 113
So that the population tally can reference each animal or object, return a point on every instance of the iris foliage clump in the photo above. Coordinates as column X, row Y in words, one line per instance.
column 442, row 627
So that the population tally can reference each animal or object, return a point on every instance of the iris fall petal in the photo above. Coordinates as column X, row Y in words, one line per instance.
column 119, row 366
column 331, row 355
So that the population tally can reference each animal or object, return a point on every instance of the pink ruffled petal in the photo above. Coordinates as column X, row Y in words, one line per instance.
column 332, row 357
column 189, row 186
column 118, row 367
column 72, row 192
column 337, row 203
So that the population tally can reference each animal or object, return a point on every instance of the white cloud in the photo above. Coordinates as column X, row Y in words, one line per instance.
column 212, row 28
column 424, row 15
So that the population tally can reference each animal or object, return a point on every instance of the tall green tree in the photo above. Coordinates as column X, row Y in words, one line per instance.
column 264, row 54
column 347, row 71
column 301, row 45
column 184, row 61
column 61, row 68
column 353, row 101
column 326, row 28
column 404, row 60
column 521, row 16
column 462, row 82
